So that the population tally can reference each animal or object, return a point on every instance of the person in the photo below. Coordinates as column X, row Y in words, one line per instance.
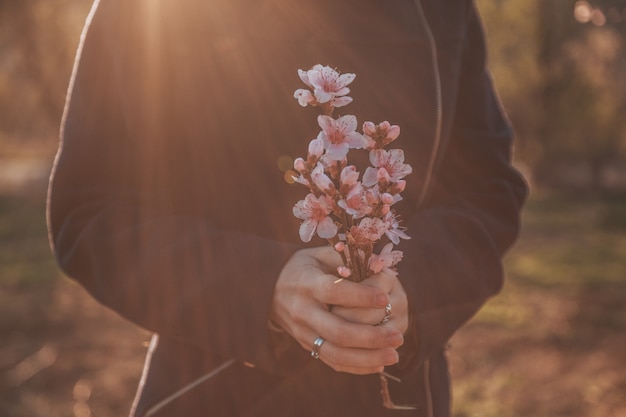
column 168, row 201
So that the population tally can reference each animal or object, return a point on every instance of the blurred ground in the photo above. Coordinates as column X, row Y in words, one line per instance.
column 552, row 344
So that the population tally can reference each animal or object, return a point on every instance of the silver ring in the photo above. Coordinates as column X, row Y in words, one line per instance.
column 387, row 315
column 317, row 344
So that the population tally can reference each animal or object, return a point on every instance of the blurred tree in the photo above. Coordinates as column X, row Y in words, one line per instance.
column 512, row 27
column 564, row 88
column 37, row 43
column 582, row 61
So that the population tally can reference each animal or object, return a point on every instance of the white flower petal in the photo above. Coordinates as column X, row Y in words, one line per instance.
column 378, row 157
column 337, row 151
column 349, row 175
column 396, row 156
column 304, row 77
column 301, row 210
column 342, row 91
column 316, row 78
column 393, row 132
column 316, row 147
column 369, row 128
column 327, row 124
column 326, row 228
column 304, row 97
column 370, row 177
column 322, row 95
column 355, row 140
column 307, row 230
column 347, row 123
column 347, row 78
column 341, row 101
column 323, row 182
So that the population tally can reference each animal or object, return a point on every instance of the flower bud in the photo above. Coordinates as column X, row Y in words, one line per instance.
column 340, row 246
column 344, row 271
column 398, row 187
column 316, row 148
column 383, row 176
column 369, row 128
column 299, row 165
column 386, row 198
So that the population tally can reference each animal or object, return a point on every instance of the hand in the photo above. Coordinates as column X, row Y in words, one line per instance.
column 304, row 292
column 373, row 316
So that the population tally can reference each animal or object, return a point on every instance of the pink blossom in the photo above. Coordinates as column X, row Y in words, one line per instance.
column 316, row 148
column 344, row 271
column 330, row 166
column 349, row 177
column 387, row 198
column 391, row 161
column 383, row 130
column 299, row 165
column 304, row 97
column 314, row 211
column 392, row 228
column 387, row 259
column 382, row 176
column 397, row 187
column 339, row 136
column 322, row 181
column 354, row 199
column 327, row 85
column 355, row 202
column 372, row 195
column 368, row 231
column 378, row 136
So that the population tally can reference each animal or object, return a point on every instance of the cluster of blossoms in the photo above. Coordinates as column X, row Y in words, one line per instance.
column 352, row 212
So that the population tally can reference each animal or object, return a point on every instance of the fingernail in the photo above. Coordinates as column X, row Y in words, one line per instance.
column 381, row 300
column 392, row 358
column 395, row 339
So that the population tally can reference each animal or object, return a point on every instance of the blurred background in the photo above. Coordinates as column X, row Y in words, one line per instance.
column 552, row 344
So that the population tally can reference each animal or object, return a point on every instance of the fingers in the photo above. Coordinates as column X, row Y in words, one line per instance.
column 399, row 316
column 348, row 347
column 357, row 361
column 344, row 358
column 346, row 293
column 347, row 334
column 304, row 292
column 370, row 316
column 400, row 308
column 337, row 291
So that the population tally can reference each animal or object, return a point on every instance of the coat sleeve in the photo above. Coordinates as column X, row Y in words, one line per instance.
column 128, row 223
column 452, row 264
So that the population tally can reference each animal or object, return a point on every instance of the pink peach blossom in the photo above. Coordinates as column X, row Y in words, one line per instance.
column 304, row 97
column 344, row 271
column 339, row 136
column 322, row 181
column 327, row 84
column 384, row 262
column 355, row 203
column 391, row 161
column 392, row 228
column 378, row 136
column 368, row 231
column 315, row 213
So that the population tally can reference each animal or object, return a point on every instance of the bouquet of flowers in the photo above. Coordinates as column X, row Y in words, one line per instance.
column 351, row 211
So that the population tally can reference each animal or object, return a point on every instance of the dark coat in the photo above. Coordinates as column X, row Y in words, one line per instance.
column 168, row 203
